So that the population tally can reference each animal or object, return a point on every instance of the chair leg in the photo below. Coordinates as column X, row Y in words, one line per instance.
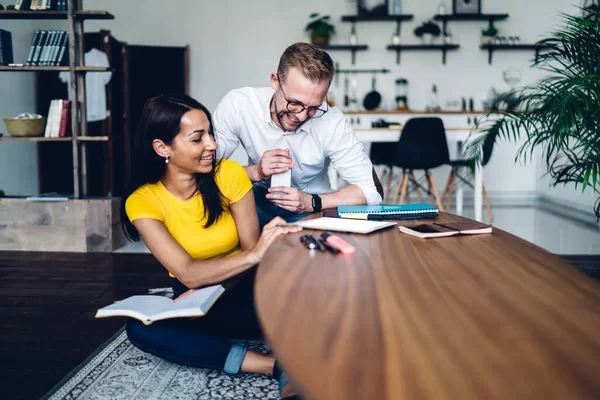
column 404, row 187
column 400, row 185
column 389, row 184
column 488, row 205
column 416, row 186
column 401, row 188
column 451, row 190
column 434, row 190
column 447, row 186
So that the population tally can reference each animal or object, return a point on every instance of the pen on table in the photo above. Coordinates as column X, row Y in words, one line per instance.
column 329, row 247
column 307, row 242
column 316, row 242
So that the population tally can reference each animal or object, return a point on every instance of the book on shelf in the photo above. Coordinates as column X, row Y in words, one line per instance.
column 6, row 49
column 47, row 48
column 151, row 308
column 388, row 211
column 436, row 230
column 58, row 122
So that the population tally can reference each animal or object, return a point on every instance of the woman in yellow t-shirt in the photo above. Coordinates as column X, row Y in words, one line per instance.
column 197, row 216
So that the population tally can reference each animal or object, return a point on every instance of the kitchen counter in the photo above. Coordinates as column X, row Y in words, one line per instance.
column 411, row 112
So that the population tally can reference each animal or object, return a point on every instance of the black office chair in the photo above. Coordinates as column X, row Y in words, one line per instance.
column 487, row 147
column 382, row 153
column 422, row 146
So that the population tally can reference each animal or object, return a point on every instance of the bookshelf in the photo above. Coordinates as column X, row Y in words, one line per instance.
column 75, row 17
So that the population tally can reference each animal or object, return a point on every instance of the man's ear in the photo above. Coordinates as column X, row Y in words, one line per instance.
column 274, row 81
column 160, row 148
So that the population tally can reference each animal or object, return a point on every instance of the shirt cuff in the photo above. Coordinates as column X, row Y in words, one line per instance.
column 371, row 194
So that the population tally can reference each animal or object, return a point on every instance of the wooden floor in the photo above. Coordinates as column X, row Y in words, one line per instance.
column 47, row 307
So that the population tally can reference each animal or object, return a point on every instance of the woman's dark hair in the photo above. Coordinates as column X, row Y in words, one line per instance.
column 160, row 119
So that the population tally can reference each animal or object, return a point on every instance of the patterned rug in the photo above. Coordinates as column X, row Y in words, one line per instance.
column 118, row 370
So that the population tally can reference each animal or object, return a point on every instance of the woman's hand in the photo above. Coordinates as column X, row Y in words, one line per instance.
column 276, row 227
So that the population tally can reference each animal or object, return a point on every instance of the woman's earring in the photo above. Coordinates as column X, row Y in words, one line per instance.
column 166, row 159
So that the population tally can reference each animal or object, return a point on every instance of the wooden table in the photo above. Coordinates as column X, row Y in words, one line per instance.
column 479, row 317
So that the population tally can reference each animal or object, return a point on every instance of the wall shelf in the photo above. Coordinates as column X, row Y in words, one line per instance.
column 56, row 68
column 470, row 17
column 490, row 18
column 358, row 18
column 54, row 15
column 378, row 18
column 93, row 139
column 444, row 48
column 34, row 139
column 493, row 47
column 4, row 14
column 347, row 47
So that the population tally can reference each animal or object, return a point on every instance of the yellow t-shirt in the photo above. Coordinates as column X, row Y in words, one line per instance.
column 185, row 219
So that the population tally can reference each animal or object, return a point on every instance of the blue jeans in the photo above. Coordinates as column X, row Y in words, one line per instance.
column 266, row 210
column 203, row 342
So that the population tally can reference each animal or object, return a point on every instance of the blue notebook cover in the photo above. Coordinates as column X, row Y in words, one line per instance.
column 406, row 209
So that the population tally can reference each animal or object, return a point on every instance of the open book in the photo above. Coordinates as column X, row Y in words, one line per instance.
column 150, row 308
column 433, row 230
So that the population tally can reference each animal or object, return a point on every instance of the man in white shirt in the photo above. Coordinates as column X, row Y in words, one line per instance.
column 290, row 126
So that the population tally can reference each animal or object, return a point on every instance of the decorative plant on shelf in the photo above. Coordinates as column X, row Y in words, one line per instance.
column 320, row 29
column 560, row 114
column 428, row 28
column 488, row 34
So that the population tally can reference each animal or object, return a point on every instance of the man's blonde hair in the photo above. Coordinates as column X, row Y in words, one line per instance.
column 312, row 61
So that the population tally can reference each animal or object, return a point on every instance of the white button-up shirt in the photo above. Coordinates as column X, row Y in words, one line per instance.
column 244, row 116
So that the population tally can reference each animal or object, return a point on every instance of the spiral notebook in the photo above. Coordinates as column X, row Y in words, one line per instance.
column 388, row 211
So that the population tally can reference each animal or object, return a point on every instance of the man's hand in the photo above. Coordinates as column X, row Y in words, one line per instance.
column 290, row 199
column 274, row 162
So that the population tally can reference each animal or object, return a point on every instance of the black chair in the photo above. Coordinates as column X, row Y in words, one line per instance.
column 382, row 153
column 422, row 146
column 457, row 165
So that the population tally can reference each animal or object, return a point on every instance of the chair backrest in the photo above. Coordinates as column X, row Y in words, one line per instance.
column 422, row 144
column 382, row 153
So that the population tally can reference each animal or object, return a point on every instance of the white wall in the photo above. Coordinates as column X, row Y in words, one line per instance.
column 18, row 161
column 236, row 43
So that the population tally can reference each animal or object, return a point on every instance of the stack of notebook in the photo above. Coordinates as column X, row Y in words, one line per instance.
column 388, row 211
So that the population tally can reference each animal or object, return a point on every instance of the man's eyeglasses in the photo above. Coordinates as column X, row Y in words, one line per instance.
column 296, row 107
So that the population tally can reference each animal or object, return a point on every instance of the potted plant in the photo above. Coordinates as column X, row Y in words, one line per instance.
column 320, row 29
column 559, row 114
column 488, row 34
column 428, row 29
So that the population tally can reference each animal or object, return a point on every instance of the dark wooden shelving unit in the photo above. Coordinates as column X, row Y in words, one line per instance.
column 87, row 14
column 34, row 139
column 52, row 68
column 444, row 48
column 75, row 17
column 493, row 47
column 346, row 47
column 93, row 14
column 4, row 14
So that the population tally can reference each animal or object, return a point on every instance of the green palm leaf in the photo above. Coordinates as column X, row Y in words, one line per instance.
column 560, row 114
